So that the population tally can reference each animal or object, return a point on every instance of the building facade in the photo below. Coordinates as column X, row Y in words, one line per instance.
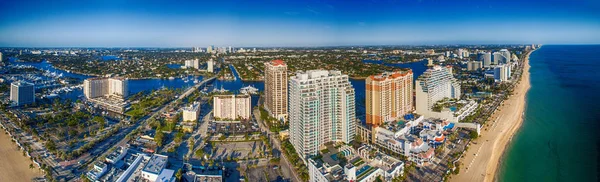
column 474, row 65
column 209, row 66
column 22, row 93
column 192, row 112
column 98, row 87
column 321, row 110
column 231, row 107
column 276, row 96
column 485, row 58
column 388, row 96
column 502, row 73
column 433, row 85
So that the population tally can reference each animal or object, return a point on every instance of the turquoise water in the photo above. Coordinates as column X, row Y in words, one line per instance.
column 560, row 138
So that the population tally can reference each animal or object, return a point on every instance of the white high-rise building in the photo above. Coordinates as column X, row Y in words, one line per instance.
column 502, row 73
column 321, row 109
column 192, row 63
column 22, row 93
column 231, row 107
column 98, row 87
column 209, row 66
column 506, row 55
column 433, row 85
column 485, row 58
column 192, row 112
column 209, row 49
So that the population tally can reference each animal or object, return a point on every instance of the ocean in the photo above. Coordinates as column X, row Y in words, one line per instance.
column 559, row 139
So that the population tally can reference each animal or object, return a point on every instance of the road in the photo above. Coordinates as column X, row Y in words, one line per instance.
column 273, row 137
column 144, row 121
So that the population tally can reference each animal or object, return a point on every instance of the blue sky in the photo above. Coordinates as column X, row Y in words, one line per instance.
column 179, row 23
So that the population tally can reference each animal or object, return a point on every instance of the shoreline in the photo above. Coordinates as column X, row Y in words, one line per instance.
column 482, row 161
column 13, row 165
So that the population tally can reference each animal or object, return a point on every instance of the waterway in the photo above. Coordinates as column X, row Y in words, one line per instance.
column 136, row 86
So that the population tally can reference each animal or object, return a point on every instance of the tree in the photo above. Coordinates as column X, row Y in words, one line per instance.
column 473, row 134
column 31, row 166
column 179, row 174
column 158, row 137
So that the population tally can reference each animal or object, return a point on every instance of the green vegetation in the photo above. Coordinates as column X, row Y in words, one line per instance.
column 290, row 153
column 273, row 124
column 151, row 101
column 473, row 135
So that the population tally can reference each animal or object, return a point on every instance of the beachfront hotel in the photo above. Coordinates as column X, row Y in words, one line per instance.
column 231, row 107
column 502, row 72
column 276, row 96
column 22, row 93
column 321, row 110
column 192, row 112
column 388, row 96
column 434, row 85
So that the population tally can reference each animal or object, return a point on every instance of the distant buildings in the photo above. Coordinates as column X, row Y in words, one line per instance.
column 22, row 93
column 98, row 87
column 209, row 66
column 433, row 85
column 388, row 96
column 192, row 112
column 502, row 72
column 209, row 49
column 231, row 107
column 276, row 96
column 321, row 109
column 474, row 65
column 463, row 53
column 192, row 63
column 485, row 58
column 109, row 93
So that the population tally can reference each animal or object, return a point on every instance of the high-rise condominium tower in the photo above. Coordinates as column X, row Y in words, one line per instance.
column 22, row 93
column 433, row 85
column 388, row 96
column 321, row 109
column 98, row 87
column 276, row 96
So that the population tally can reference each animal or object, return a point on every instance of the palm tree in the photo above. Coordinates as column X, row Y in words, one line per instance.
column 31, row 166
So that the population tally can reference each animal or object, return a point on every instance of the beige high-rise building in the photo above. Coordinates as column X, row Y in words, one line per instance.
column 192, row 112
column 276, row 96
column 388, row 96
column 231, row 107
column 98, row 87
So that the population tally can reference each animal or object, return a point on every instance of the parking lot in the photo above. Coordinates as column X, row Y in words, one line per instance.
column 239, row 150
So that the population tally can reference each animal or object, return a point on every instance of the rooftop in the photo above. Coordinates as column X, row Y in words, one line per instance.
column 156, row 164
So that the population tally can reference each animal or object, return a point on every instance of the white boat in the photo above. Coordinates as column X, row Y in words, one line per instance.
column 171, row 78
column 249, row 90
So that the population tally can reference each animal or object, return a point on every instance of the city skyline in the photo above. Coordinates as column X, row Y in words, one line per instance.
column 295, row 24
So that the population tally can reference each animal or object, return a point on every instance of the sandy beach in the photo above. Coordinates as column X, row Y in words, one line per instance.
column 481, row 161
column 13, row 165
